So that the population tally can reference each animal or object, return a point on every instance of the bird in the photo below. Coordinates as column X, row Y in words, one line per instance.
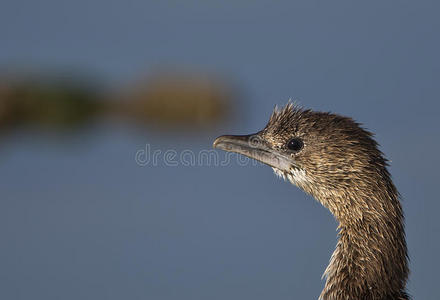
column 338, row 162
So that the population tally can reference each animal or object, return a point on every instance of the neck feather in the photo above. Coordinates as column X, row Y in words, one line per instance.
column 370, row 260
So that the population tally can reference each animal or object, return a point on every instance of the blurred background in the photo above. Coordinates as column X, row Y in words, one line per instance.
column 86, row 85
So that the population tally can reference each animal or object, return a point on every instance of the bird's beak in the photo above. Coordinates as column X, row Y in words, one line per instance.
column 255, row 147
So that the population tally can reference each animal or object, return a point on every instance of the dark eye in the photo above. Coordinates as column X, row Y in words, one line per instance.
column 295, row 144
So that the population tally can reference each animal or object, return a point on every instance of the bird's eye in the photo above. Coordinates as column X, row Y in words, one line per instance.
column 295, row 144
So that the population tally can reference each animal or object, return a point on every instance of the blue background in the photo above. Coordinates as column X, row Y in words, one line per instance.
column 79, row 219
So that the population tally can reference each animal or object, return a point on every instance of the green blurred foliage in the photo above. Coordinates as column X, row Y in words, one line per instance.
column 47, row 103
column 168, row 101
column 174, row 100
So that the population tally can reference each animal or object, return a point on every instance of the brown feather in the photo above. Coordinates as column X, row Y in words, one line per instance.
column 341, row 166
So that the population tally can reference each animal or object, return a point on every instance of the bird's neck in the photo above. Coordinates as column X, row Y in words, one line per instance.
column 370, row 260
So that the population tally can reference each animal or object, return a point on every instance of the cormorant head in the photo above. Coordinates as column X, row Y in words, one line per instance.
column 325, row 154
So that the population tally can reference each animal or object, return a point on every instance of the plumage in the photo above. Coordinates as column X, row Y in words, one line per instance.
column 338, row 162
